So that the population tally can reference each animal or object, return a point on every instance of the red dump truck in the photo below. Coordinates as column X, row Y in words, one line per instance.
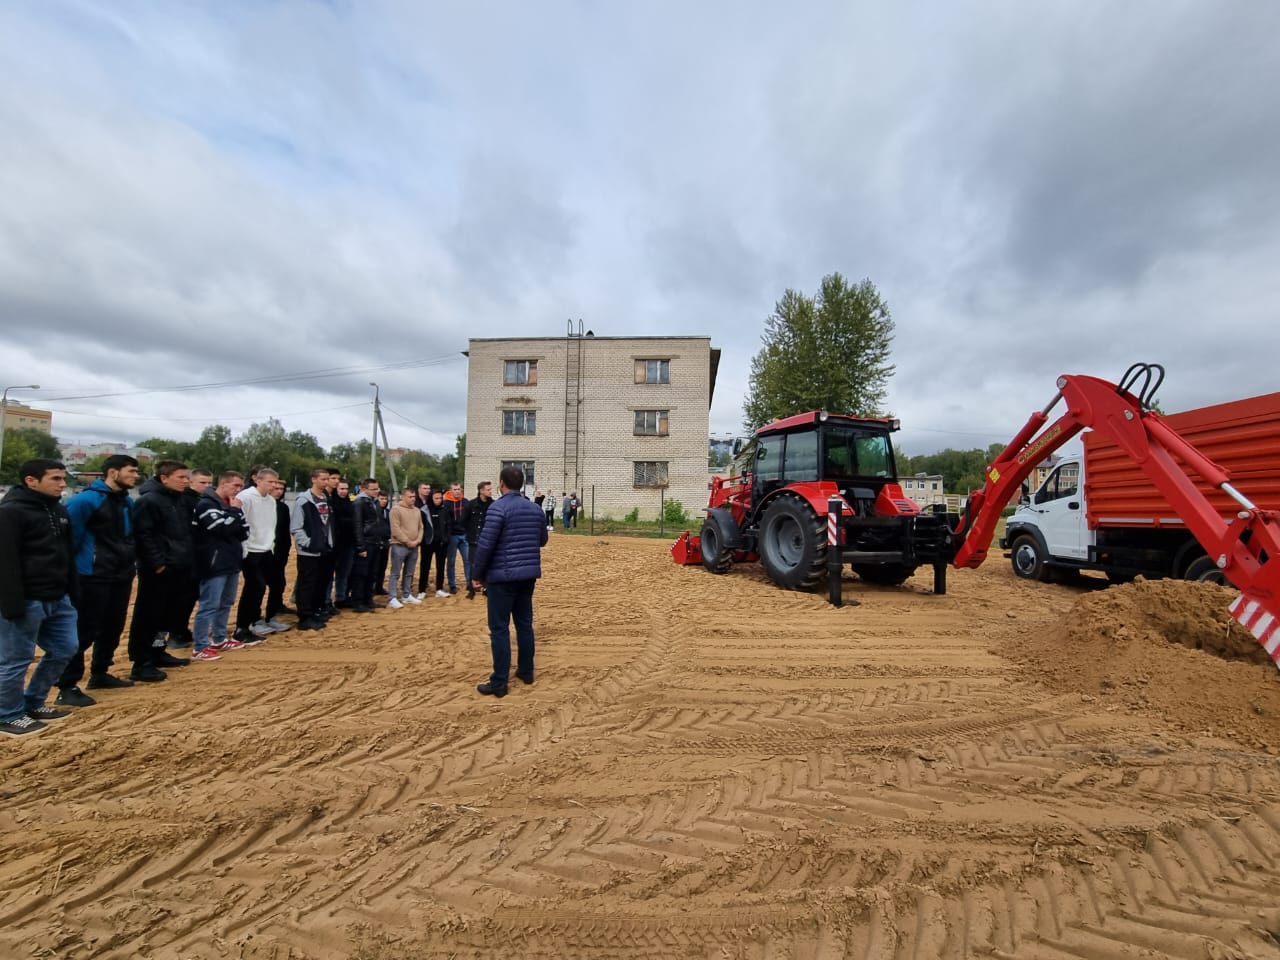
column 1102, row 511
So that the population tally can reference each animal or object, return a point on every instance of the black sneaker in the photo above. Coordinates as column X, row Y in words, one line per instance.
column 147, row 674
column 311, row 623
column 45, row 714
column 105, row 681
column 74, row 697
column 22, row 726
column 247, row 637
column 489, row 690
column 169, row 660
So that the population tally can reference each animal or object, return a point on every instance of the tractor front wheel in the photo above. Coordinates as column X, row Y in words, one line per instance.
column 715, row 556
column 793, row 544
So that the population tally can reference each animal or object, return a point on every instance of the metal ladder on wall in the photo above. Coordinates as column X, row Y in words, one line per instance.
column 571, row 475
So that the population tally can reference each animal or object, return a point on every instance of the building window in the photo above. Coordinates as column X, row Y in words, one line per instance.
column 520, row 373
column 519, row 422
column 653, row 371
column 651, row 423
column 651, row 473
column 526, row 466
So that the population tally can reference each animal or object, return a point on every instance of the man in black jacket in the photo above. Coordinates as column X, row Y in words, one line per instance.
column 162, row 534
column 280, row 553
column 367, row 530
column 473, row 521
column 37, row 584
column 344, row 541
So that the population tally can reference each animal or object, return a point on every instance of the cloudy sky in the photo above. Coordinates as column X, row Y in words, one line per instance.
column 315, row 195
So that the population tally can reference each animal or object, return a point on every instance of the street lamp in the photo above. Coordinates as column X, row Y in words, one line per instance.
column 4, row 410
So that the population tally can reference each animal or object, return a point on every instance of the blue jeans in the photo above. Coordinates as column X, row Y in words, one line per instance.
column 217, row 595
column 343, row 559
column 511, row 601
column 458, row 541
column 50, row 625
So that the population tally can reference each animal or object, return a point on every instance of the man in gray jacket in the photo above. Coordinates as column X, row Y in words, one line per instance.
column 508, row 563
column 311, row 524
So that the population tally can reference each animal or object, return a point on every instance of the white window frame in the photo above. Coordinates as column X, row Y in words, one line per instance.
column 655, row 370
column 519, row 423
column 651, row 473
column 513, row 370
column 652, row 423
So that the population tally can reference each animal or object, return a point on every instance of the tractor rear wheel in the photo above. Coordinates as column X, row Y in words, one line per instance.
column 793, row 544
column 715, row 556
column 1205, row 570
column 883, row 574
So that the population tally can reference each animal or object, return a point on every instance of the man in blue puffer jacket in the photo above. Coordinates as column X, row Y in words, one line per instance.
column 508, row 562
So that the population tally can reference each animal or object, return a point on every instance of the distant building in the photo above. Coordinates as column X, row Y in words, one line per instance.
column 627, row 417
column 18, row 416
column 76, row 454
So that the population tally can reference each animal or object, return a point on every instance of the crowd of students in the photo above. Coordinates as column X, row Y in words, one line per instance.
column 195, row 544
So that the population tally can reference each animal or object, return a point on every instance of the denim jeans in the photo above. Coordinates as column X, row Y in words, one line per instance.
column 217, row 594
column 458, row 542
column 511, row 601
column 403, row 561
column 50, row 625
column 344, row 557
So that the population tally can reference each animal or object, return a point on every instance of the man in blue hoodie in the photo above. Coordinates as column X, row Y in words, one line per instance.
column 102, row 538
column 508, row 562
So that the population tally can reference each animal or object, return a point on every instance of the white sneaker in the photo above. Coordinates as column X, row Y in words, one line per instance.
column 260, row 629
column 441, row 593
column 411, row 599
column 422, row 596
column 394, row 604
column 279, row 626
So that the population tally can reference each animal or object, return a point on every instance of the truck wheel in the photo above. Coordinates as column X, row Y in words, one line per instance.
column 1204, row 570
column 883, row 574
column 1028, row 559
column 793, row 544
column 714, row 555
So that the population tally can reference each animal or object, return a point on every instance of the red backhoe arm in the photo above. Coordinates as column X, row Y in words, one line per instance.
column 1245, row 547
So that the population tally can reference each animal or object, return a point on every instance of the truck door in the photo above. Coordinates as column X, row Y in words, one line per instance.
column 1059, row 509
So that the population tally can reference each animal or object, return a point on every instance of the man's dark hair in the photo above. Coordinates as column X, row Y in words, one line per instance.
column 226, row 475
column 118, row 461
column 38, row 468
column 201, row 472
column 334, row 471
column 367, row 482
column 512, row 478
column 481, row 485
column 166, row 468
column 319, row 472
column 405, row 490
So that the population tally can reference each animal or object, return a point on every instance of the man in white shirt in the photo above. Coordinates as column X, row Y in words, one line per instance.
column 259, row 506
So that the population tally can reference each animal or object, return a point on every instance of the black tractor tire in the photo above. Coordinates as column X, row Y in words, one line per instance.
column 1204, row 570
column 793, row 544
column 1029, row 560
column 715, row 556
column 883, row 574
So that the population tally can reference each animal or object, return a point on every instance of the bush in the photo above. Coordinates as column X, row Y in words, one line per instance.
column 632, row 517
column 674, row 513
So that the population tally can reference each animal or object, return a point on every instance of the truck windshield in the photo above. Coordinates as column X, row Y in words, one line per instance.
column 850, row 454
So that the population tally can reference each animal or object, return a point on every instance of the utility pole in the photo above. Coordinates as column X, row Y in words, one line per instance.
column 4, row 410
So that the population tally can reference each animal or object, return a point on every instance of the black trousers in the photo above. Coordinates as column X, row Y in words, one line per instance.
column 380, row 569
column 275, row 584
column 182, row 615
column 361, row 579
column 157, row 608
column 102, row 612
column 312, row 584
column 255, row 575
column 429, row 550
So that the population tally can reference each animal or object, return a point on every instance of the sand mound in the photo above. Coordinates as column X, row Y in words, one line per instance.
column 1165, row 646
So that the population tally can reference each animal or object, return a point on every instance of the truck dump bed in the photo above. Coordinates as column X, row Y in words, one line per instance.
column 1242, row 436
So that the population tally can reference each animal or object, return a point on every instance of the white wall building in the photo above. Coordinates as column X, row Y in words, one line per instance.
column 625, row 420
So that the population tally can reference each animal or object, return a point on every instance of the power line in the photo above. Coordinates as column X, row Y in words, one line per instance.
column 322, row 374
column 277, row 416
column 414, row 422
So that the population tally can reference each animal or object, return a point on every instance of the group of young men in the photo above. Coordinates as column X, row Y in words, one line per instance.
column 194, row 542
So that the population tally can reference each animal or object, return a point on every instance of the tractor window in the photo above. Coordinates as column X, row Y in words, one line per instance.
column 850, row 455
column 874, row 456
column 769, row 463
column 802, row 458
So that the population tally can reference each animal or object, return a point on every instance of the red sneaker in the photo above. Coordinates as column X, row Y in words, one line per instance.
column 208, row 653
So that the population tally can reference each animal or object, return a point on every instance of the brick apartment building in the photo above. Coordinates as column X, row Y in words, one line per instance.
column 18, row 416
column 627, row 417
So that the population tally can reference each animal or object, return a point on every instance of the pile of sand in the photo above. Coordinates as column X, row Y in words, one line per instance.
column 1163, row 646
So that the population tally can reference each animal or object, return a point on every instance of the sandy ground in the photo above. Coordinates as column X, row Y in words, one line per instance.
column 706, row 767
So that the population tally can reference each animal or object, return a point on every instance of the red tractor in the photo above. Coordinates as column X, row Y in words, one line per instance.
column 776, row 509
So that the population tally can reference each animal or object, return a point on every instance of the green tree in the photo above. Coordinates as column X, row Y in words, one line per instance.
column 22, row 444
column 212, row 450
column 262, row 443
column 306, row 446
column 166, row 449
column 829, row 352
